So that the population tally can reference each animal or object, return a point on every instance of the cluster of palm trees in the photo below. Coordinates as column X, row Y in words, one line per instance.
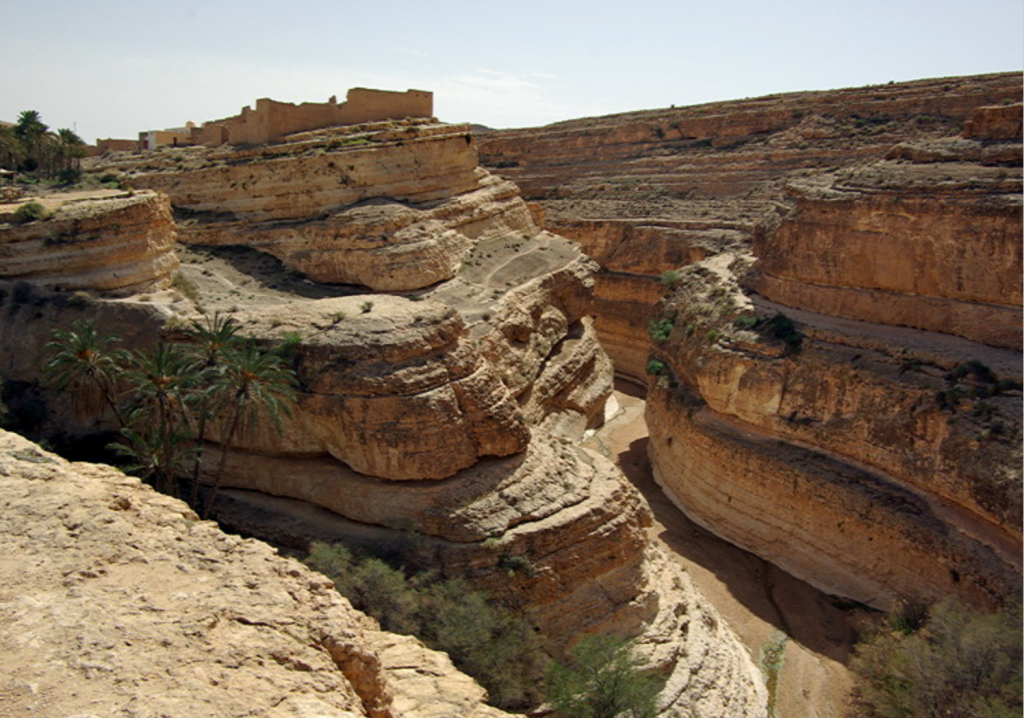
column 167, row 399
column 30, row 146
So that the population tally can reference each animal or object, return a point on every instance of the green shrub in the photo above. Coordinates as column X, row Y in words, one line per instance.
column 956, row 663
column 603, row 680
column 484, row 639
column 670, row 278
column 655, row 367
column 69, row 175
column 31, row 212
column 782, row 327
column 660, row 329
column 745, row 321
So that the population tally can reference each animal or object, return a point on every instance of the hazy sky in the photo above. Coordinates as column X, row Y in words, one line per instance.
column 110, row 68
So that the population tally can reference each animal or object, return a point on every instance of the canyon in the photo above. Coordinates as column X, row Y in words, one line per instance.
column 819, row 294
column 822, row 293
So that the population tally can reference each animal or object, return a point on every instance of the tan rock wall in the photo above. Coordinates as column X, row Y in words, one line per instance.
column 119, row 597
column 394, row 209
column 397, row 392
column 415, row 163
column 845, row 530
column 999, row 122
column 808, row 456
column 556, row 530
column 929, row 257
column 115, row 245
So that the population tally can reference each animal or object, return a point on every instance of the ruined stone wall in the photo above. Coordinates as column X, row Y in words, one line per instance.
column 272, row 120
column 113, row 145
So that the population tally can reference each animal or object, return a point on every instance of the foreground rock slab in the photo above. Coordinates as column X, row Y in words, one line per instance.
column 116, row 601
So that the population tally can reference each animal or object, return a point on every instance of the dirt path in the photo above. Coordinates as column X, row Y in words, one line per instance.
column 799, row 635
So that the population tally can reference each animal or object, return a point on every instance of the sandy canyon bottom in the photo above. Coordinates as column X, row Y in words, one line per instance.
column 801, row 638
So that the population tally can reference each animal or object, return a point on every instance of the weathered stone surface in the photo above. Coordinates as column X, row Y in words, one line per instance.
column 690, row 180
column 866, row 464
column 117, row 244
column 934, row 246
column 558, row 531
column 996, row 122
column 116, row 599
column 392, row 206
column 393, row 388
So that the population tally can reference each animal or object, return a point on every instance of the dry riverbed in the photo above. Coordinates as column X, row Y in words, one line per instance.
column 801, row 637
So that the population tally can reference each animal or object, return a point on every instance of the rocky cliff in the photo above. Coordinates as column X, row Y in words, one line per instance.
column 116, row 243
column 442, row 417
column 391, row 206
column 117, row 600
column 647, row 192
column 813, row 406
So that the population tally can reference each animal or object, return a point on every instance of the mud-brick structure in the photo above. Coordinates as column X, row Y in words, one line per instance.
column 272, row 120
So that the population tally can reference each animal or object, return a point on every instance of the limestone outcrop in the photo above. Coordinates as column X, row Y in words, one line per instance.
column 867, row 439
column 392, row 206
column 114, row 243
column 874, row 462
column 693, row 180
column 116, row 599
column 445, row 419
column 933, row 244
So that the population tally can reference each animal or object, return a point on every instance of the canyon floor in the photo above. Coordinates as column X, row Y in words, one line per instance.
column 801, row 638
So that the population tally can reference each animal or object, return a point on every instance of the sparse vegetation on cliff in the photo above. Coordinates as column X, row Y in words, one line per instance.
column 603, row 679
column 952, row 662
column 483, row 638
column 165, row 398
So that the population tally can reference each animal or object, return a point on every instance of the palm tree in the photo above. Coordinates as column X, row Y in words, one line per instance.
column 254, row 383
column 161, row 382
column 83, row 361
column 31, row 131
column 214, row 341
column 71, row 149
column 12, row 153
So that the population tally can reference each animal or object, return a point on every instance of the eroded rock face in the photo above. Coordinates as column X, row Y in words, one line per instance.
column 871, row 462
column 648, row 192
column 117, row 245
column 479, row 383
column 556, row 530
column 396, row 391
column 391, row 206
column 934, row 246
column 116, row 598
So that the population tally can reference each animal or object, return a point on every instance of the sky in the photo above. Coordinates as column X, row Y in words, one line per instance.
column 111, row 68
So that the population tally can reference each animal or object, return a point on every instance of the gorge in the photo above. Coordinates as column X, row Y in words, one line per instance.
column 819, row 292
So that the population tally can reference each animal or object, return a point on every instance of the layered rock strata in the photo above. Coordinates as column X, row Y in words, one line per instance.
column 391, row 206
column 113, row 243
column 873, row 462
column 929, row 239
column 117, row 599
column 445, row 419
column 706, row 170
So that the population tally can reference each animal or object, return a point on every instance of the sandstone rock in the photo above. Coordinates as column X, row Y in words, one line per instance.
column 999, row 122
column 117, row 245
column 838, row 462
column 558, row 531
column 643, row 192
column 389, row 386
column 392, row 206
column 931, row 246
column 117, row 599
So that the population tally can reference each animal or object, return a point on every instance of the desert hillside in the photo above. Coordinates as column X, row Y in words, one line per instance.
column 815, row 299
